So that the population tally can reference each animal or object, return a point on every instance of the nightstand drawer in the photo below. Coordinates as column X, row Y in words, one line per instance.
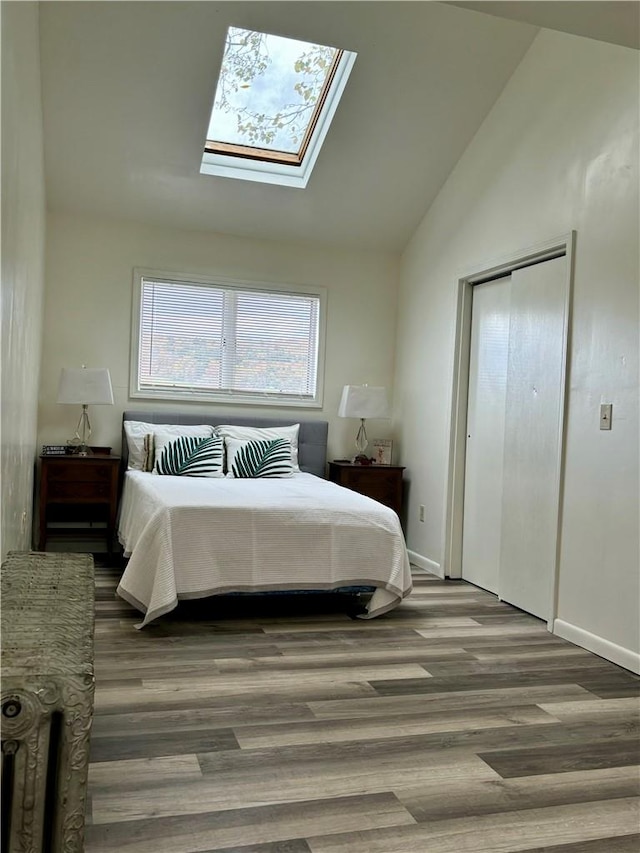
column 79, row 490
column 85, row 472
column 382, row 492
column 382, row 483
column 362, row 480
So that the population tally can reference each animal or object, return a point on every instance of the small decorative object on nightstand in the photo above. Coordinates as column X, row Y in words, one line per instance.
column 78, row 489
column 381, row 482
column 382, row 449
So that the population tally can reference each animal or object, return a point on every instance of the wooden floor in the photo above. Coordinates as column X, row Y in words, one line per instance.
column 454, row 723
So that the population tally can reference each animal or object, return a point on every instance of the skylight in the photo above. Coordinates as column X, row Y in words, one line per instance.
column 274, row 102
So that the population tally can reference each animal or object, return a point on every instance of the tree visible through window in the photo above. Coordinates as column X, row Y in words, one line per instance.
column 269, row 92
column 204, row 339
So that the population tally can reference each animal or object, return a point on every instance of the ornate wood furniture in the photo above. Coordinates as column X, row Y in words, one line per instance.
column 46, row 704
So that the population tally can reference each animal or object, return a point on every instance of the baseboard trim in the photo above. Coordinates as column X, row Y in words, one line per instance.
column 598, row 645
column 425, row 563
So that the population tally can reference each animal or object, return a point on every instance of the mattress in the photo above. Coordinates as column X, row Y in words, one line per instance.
column 189, row 537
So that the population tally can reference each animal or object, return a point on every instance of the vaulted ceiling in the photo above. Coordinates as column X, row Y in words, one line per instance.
column 128, row 87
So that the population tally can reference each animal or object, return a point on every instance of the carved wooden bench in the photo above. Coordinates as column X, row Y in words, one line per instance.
column 46, row 704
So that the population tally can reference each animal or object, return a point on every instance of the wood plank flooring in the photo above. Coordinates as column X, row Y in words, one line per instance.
column 454, row 723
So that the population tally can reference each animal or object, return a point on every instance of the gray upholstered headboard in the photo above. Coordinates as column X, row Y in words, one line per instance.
column 312, row 439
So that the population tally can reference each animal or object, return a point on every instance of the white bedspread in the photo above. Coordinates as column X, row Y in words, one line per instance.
column 190, row 537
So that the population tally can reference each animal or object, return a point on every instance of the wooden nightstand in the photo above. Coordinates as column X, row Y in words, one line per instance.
column 80, row 489
column 381, row 482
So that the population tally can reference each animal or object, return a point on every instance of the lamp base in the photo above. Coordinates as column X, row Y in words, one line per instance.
column 79, row 442
column 361, row 445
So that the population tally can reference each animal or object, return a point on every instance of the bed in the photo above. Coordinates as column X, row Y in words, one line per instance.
column 194, row 537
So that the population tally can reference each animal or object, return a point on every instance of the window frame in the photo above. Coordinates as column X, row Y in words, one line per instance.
column 278, row 169
column 220, row 396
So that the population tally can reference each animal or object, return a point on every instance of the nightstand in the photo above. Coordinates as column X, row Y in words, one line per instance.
column 78, row 489
column 381, row 482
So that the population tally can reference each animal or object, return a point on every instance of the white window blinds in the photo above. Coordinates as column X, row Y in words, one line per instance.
column 207, row 340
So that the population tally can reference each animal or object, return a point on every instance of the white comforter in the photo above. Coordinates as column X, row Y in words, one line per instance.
column 190, row 537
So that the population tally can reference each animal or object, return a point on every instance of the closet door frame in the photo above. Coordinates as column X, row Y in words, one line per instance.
column 563, row 245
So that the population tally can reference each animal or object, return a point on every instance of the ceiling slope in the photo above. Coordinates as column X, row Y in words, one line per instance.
column 128, row 87
column 614, row 21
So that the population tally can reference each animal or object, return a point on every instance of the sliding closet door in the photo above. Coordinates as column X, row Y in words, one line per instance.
column 534, row 397
column 481, row 538
column 512, row 476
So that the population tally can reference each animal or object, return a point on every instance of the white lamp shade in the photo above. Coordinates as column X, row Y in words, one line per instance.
column 363, row 401
column 85, row 385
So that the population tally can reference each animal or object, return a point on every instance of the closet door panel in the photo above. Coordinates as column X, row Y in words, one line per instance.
column 485, row 433
column 534, row 398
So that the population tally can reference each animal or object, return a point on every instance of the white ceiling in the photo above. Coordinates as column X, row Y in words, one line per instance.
column 128, row 86
column 615, row 21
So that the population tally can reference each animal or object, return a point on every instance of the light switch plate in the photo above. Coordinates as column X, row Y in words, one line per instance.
column 605, row 415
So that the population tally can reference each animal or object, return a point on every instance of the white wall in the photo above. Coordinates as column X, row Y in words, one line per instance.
column 88, row 314
column 23, row 240
column 559, row 151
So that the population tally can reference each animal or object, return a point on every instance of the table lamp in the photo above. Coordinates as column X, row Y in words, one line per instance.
column 84, row 386
column 363, row 401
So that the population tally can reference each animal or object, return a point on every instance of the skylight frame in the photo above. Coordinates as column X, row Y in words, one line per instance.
column 278, row 167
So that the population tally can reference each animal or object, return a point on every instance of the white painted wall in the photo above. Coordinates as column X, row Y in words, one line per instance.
column 559, row 151
column 23, row 240
column 88, row 314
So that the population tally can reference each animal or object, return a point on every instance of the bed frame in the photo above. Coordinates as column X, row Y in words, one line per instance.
column 312, row 438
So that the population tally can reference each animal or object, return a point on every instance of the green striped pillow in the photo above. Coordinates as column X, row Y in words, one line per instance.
column 252, row 459
column 191, row 456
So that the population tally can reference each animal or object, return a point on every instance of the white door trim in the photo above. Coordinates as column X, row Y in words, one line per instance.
column 454, row 487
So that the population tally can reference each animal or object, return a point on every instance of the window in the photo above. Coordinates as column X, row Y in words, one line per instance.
column 203, row 339
column 273, row 105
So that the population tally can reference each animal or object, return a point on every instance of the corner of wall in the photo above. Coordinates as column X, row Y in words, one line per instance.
column 23, row 246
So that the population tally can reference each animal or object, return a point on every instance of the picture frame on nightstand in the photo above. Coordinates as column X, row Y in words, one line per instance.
column 382, row 450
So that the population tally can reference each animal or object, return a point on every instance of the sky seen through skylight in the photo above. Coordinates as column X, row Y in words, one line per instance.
column 267, row 90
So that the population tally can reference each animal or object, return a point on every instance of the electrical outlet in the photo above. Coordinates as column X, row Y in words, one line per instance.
column 421, row 512
column 23, row 521
column 605, row 415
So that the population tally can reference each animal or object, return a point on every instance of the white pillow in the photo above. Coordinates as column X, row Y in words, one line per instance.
column 254, row 458
column 162, row 437
column 247, row 433
column 135, row 432
column 189, row 455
